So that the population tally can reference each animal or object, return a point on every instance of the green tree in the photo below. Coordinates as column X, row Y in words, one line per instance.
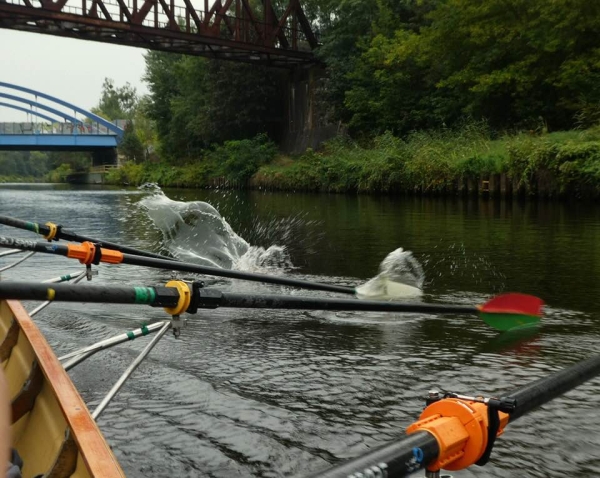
column 116, row 102
column 131, row 146
column 163, row 85
column 196, row 102
column 515, row 63
column 347, row 26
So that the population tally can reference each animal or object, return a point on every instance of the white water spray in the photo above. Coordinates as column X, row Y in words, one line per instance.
column 196, row 232
column 400, row 275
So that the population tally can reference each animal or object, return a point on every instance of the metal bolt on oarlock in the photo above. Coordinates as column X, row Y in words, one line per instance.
column 89, row 272
column 176, row 324
column 433, row 396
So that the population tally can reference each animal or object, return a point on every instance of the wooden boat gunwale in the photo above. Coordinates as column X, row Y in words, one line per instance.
column 93, row 448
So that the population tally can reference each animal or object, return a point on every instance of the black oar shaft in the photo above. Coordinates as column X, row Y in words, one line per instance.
column 52, row 248
column 154, row 296
column 208, row 298
column 44, row 230
column 545, row 389
column 249, row 276
column 311, row 303
column 393, row 459
column 25, row 245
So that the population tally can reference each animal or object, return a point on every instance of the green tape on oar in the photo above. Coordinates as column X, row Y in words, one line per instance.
column 33, row 226
column 144, row 295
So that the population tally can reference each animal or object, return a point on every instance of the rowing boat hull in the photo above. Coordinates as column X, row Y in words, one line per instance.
column 52, row 429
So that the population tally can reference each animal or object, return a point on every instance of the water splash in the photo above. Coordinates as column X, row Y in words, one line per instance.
column 195, row 232
column 400, row 275
column 456, row 263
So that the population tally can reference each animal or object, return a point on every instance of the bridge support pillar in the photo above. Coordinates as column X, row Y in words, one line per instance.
column 304, row 121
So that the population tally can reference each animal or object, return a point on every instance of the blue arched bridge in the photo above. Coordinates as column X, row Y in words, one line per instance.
column 55, row 124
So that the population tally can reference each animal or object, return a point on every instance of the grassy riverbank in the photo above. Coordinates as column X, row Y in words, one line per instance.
column 20, row 179
column 561, row 163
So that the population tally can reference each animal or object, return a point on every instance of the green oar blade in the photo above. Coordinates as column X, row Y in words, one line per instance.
column 512, row 311
column 504, row 322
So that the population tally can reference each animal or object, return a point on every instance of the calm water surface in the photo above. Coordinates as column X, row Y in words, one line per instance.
column 251, row 393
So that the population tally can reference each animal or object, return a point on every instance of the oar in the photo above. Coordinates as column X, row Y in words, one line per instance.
column 513, row 310
column 88, row 253
column 421, row 449
column 55, row 232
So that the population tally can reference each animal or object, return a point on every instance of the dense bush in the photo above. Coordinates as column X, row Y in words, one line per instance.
column 233, row 161
column 59, row 175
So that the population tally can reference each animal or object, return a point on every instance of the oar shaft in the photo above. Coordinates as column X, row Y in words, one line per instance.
column 311, row 303
column 34, row 246
column 207, row 298
column 249, row 276
column 63, row 250
column 545, row 389
column 392, row 459
column 154, row 296
column 44, row 230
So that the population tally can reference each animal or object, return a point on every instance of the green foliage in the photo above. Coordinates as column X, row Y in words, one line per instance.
column 571, row 160
column 234, row 161
column 239, row 160
column 429, row 163
column 347, row 26
column 37, row 165
column 116, row 102
column 131, row 146
column 31, row 164
column 406, row 65
column 440, row 162
column 128, row 173
column 59, row 175
column 197, row 102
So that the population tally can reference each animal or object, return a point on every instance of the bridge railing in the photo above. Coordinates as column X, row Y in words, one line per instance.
column 105, row 168
column 53, row 128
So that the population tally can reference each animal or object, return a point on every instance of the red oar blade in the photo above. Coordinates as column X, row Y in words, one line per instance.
column 511, row 311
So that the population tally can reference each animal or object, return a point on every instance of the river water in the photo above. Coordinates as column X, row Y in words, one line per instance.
column 255, row 393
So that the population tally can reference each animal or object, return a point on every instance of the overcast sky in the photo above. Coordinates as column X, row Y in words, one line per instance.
column 72, row 70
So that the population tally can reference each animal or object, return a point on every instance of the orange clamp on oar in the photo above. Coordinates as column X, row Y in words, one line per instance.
column 89, row 253
column 461, row 428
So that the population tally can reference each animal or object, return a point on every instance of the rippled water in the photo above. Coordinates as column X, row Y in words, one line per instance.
column 246, row 392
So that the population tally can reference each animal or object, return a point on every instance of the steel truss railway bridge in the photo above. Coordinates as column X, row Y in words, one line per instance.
column 272, row 33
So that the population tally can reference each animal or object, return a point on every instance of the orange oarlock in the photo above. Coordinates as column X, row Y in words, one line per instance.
column 86, row 252
column 461, row 430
